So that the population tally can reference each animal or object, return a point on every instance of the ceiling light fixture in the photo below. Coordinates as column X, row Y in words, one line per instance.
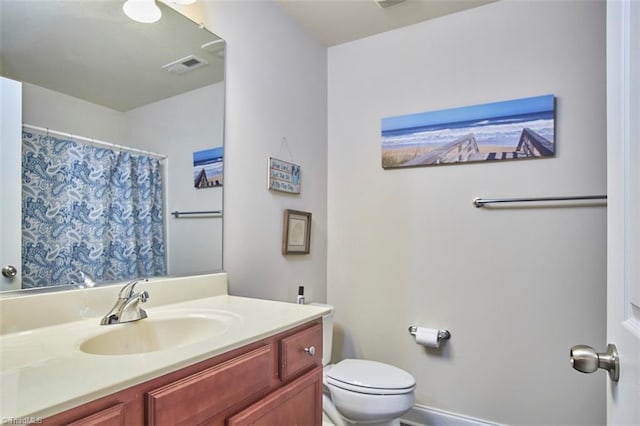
column 145, row 11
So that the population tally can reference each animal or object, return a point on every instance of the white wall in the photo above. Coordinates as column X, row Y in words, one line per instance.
column 517, row 287
column 56, row 111
column 276, row 87
column 177, row 127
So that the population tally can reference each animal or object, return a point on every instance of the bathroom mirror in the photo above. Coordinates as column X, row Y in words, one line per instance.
column 91, row 75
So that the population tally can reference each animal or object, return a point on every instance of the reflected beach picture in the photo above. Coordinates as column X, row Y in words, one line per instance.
column 508, row 130
column 207, row 168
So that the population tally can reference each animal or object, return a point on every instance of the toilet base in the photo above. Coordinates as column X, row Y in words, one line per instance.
column 395, row 422
column 326, row 421
column 331, row 416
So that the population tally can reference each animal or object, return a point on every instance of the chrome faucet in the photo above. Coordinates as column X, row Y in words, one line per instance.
column 127, row 307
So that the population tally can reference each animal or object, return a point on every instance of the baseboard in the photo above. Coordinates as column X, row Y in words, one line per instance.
column 421, row 415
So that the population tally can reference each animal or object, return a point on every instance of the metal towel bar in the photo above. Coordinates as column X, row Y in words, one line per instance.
column 480, row 202
column 213, row 213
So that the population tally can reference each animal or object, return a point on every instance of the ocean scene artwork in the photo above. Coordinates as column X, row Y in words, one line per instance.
column 508, row 130
column 207, row 168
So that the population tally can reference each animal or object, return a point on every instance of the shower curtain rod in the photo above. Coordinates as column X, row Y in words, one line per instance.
column 96, row 142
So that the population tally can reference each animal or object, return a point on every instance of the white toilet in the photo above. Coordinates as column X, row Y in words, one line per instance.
column 363, row 392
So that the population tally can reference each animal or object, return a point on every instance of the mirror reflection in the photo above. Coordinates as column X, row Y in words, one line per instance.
column 108, row 126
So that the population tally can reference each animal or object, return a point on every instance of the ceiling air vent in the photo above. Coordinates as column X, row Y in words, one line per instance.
column 183, row 65
column 387, row 3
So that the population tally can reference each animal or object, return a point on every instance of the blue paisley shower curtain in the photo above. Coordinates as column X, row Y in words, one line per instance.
column 88, row 210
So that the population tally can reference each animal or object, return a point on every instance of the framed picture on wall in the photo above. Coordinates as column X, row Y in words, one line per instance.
column 516, row 129
column 296, row 235
column 207, row 168
column 283, row 176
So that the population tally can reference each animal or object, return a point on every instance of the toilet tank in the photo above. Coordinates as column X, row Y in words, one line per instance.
column 327, row 333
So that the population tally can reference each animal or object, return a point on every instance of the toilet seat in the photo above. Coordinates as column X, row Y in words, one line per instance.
column 370, row 377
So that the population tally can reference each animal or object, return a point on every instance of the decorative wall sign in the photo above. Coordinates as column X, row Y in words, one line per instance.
column 515, row 129
column 207, row 168
column 296, row 235
column 283, row 176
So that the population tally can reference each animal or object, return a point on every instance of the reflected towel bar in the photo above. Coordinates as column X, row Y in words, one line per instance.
column 480, row 202
column 212, row 213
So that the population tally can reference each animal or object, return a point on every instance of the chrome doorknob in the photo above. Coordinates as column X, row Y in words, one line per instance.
column 586, row 360
column 9, row 271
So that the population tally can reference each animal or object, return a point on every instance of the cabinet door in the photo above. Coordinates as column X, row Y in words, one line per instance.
column 199, row 398
column 298, row 403
column 112, row 416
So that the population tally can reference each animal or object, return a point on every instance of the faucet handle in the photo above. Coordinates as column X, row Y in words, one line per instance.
column 127, row 290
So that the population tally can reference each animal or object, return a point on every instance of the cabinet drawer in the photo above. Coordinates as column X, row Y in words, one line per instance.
column 201, row 396
column 294, row 360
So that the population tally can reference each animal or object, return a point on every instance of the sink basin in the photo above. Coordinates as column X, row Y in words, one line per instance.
column 157, row 333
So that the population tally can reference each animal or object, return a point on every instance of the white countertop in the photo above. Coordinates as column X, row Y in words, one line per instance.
column 44, row 372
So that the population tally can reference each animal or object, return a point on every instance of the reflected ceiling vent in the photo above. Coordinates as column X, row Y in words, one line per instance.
column 387, row 3
column 183, row 65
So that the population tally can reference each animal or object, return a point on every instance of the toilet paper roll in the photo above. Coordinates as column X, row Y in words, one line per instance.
column 427, row 337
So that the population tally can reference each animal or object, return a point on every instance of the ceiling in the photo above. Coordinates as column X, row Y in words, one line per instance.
column 98, row 54
column 90, row 50
column 339, row 21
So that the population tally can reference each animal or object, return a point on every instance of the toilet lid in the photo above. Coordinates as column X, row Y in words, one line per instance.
column 370, row 377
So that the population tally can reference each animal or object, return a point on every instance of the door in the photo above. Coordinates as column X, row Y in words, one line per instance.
column 10, row 183
column 623, row 212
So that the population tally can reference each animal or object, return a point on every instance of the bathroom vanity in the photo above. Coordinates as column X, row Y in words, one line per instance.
column 230, row 360
column 270, row 380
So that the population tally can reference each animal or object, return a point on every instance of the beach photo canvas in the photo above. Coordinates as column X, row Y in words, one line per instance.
column 207, row 168
column 509, row 130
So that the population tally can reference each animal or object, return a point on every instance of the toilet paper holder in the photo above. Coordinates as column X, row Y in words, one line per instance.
column 442, row 334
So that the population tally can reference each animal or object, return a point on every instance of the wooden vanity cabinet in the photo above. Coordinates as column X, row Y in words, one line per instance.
column 270, row 382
